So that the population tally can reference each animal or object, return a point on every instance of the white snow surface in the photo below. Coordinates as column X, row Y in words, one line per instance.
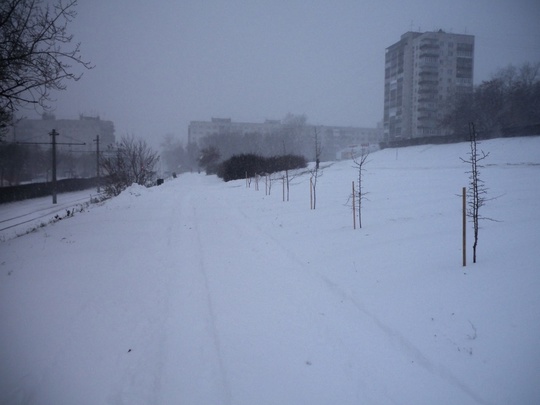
column 205, row 292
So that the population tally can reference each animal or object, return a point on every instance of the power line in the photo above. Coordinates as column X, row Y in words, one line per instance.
column 53, row 144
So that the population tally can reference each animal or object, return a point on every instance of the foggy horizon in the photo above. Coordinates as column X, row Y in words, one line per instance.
column 158, row 68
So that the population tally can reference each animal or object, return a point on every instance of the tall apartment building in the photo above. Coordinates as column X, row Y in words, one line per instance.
column 422, row 70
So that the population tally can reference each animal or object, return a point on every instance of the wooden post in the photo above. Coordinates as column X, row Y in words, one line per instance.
column 97, row 164
column 464, row 220
column 353, row 207
column 283, row 189
column 311, row 193
column 54, row 134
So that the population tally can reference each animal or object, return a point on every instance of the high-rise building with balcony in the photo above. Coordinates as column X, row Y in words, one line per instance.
column 422, row 72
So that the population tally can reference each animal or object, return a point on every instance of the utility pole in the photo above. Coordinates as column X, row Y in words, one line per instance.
column 97, row 163
column 53, row 144
column 54, row 134
column 464, row 224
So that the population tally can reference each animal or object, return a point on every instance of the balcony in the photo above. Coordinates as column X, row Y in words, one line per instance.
column 426, row 98
column 429, row 54
column 429, row 62
column 429, row 46
column 425, row 117
column 425, row 110
column 429, row 71
column 427, row 90
column 428, row 82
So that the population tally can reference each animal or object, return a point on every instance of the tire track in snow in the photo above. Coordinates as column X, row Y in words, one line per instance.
column 193, row 368
column 211, row 310
column 392, row 334
column 140, row 380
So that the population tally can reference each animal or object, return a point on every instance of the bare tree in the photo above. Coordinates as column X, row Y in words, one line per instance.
column 315, row 172
column 505, row 104
column 477, row 191
column 360, row 163
column 294, row 127
column 35, row 56
column 288, row 177
column 292, row 134
column 129, row 161
column 209, row 159
column 270, row 178
column 173, row 154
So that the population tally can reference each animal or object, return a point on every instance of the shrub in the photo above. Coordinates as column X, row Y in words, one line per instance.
column 238, row 166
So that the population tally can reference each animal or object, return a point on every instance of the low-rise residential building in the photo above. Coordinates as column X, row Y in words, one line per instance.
column 332, row 138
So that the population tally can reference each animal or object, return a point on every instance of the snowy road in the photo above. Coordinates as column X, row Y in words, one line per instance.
column 204, row 292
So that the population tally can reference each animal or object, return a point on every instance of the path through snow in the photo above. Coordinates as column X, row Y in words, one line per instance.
column 203, row 292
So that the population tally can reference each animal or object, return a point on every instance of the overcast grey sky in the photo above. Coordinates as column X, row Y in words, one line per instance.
column 162, row 64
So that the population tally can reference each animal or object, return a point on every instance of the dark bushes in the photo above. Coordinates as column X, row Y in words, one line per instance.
column 240, row 166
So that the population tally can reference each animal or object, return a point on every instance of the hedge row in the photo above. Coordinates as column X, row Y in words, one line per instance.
column 240, row 166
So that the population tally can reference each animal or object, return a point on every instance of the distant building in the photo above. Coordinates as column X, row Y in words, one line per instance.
column 83, row 130
column 422, row 70
column 225, row 126
column 332, row 138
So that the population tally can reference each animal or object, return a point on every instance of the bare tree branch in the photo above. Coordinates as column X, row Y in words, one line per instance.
column 477, row 191
column 315, row 172
column 129, row 161
column 35, row 57
column 360, row 163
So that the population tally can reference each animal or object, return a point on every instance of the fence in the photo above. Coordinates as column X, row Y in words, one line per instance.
column 35, row 190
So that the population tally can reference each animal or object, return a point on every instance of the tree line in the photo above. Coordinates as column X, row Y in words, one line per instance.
column 506, row 105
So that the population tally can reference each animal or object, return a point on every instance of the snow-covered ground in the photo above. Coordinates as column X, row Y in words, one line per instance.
column 204, row 292
column 19, row 217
